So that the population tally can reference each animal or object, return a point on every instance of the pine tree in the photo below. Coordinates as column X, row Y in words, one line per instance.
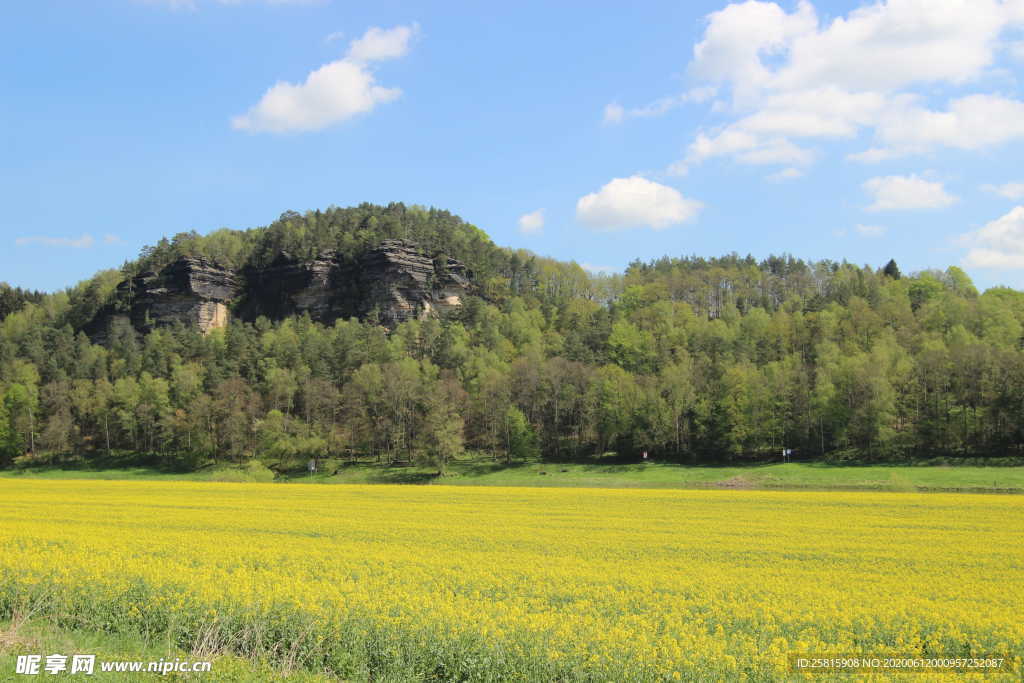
column 892, row 270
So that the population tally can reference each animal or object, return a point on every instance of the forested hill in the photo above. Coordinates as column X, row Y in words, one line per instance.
column 691, row 359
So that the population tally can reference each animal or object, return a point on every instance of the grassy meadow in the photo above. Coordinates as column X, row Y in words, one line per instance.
column 42, row 637
column 481, row 472
column 395, row 583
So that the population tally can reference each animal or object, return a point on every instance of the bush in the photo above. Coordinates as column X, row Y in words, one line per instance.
column 39, row 459
column 257, row 471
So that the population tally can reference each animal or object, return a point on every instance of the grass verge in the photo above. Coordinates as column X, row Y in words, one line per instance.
column 805, row 476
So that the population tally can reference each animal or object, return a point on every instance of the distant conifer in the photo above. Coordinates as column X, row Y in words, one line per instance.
column 892, row 270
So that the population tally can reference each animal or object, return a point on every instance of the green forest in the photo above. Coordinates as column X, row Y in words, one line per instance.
column 694, row 360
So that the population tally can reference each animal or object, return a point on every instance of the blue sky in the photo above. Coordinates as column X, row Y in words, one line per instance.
column 594, row 132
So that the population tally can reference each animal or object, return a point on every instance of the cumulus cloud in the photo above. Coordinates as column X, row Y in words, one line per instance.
column 823, row 112
column 377, row 44
column 335, row 92
column 635, row 202
column 795, row 77
column 1000, row 244
column 748, row 148
column 740, row 35
column 969, row 123
column 1009, row 190
column 893, row 193
column 974, row 122
column 532, row 223
column 870, row 230
column 889, row 45
column 881, row 47
column 83, row 242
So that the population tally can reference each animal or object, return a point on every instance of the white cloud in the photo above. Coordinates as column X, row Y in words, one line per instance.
column 700, row 94
column 784, row 175
column 827, row 112
column 1009, row 190
column 616, row 113
column 881, row 47
column 378, row 43
column 874, row 155
column 793, row 76
column 737, row 37
column 870, row 230
column 969, row 123
column 748, row 148
column 635, row 202
column 906, row 192
column 1016, row 10
column 658, row 107
column 112, row 239
column 333, row 93
column 83, row 242
column 1000, row 244
column 890, row 45
column 532, row 223
column 335, row 36
column 678, row 168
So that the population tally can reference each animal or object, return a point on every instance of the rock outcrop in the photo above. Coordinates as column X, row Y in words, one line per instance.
column 192, row 291
column 401, row 284
column 289, row 286
column 390, row 284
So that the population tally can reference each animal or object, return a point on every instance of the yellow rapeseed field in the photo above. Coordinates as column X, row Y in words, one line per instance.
column 439, row 583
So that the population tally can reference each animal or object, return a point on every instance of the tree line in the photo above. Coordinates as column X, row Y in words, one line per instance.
column 691, row 359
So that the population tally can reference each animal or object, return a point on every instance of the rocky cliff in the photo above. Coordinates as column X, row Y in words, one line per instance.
column 401, row 284
column 390, row 284
column 191, row 291
column 289, row 286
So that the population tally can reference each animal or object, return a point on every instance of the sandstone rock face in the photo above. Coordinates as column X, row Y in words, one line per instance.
column 290, row 287
column 192, row 291
column 389, row 284
column 401, row 284
column 453, row 286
